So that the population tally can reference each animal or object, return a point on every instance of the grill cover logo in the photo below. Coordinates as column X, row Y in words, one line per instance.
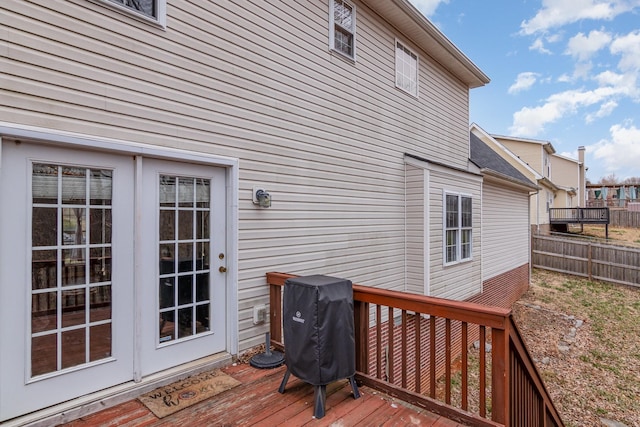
column 298, row 317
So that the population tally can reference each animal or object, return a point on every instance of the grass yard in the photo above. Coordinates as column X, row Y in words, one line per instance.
column 585, row 339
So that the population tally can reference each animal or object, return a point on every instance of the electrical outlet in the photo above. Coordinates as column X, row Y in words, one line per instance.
column 259, row 314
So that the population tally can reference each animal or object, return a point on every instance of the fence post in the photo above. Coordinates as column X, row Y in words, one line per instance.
column 589, row 261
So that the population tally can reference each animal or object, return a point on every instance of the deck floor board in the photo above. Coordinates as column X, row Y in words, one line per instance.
column 256, row 402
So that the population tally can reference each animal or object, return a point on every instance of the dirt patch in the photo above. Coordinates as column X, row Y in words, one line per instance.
column 585, row 339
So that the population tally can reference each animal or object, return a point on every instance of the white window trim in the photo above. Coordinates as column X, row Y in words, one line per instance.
column 161, row 19
column 460, row 228
column 395, row 74
column 332, row 29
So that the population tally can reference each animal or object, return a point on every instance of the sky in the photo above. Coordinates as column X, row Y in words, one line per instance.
column 562, row 71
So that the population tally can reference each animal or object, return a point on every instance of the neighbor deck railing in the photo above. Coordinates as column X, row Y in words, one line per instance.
column 415, row 347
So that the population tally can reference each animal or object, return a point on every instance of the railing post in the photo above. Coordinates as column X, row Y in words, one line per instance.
column 500, row 404
column 361, row 326
column 275, row 302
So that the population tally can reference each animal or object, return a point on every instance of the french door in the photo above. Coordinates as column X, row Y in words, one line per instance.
column 66, row 275
column 182, row 299
column 110, row 270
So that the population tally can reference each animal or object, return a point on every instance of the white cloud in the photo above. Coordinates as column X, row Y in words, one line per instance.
column 621, row 152
column 605, row 110
column 627, row 47
column 428, row 7
column 538, row 45
column 524, row 81
column 556, row 13
column 531, row 121
column 584, row 47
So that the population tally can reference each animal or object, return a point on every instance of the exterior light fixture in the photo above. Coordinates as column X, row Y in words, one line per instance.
column 261, row 197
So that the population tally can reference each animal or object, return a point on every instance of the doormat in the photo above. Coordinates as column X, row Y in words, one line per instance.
column 174, row 397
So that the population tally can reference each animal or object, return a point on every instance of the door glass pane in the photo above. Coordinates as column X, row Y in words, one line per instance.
column 44, row 223
column 44, row 316
column 68, row 201
column 43, row 354
column 73, row 224
column 100, row 268
column 167, row 225
column 203, row 193
column 73, row 348
column 73, row 307
column 100, row 221
column 100, row 303
column 44, row 269
column 185, row 191
column 74, row 185
column 100, row 342
column 184, row 226
column 44, row 183
column 100, row 187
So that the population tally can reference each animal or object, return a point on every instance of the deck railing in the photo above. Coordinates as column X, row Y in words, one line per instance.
column 579, row 215
column 420, row 350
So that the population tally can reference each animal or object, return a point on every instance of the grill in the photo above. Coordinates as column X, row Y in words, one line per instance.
column 319, row 334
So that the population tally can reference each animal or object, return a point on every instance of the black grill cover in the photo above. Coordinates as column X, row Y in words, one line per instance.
column 318, row 328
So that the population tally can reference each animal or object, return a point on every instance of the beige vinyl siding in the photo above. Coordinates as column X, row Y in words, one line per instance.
column 565, row 172
column 528, row 152
column 416, row 233
column 505, row 230
column 462, row 280
column 251, row 80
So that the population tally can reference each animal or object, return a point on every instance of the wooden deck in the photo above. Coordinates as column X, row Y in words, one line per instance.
column 256, row 402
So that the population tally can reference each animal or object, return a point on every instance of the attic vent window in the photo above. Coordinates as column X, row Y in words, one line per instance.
column 406, row 69
column 342, row 32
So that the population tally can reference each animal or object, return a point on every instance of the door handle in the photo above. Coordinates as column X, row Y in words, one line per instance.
column 222, row 269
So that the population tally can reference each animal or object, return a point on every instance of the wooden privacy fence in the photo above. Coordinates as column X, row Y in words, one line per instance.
column 624, row 218
column 599, row 261
column 414, row 347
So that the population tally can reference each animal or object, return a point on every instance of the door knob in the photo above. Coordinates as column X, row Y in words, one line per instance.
column 222, row 269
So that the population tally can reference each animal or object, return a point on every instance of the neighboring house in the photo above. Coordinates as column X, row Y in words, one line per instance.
column 506, row 234
column 135, row 140
column 562, row 180
column 566, row 175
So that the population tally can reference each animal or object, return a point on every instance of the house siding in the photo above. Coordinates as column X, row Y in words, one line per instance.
column 505, row 229
column 529, row 152
column 462, row 280
column 255, row 81
column 416, row 233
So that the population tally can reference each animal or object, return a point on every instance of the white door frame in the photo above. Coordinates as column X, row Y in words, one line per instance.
column 137, row 151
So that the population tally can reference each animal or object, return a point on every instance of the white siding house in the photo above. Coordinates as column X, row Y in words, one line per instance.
column 133, row 143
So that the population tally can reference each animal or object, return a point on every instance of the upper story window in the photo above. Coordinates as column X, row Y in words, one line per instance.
column 458, row 213
column 153, row 10
column 342, row 31
column 406, row 69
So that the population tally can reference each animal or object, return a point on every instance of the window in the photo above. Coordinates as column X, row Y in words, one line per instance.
column 458, row 228
column 342, row 32
column 148, row 10
column 406, row 69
